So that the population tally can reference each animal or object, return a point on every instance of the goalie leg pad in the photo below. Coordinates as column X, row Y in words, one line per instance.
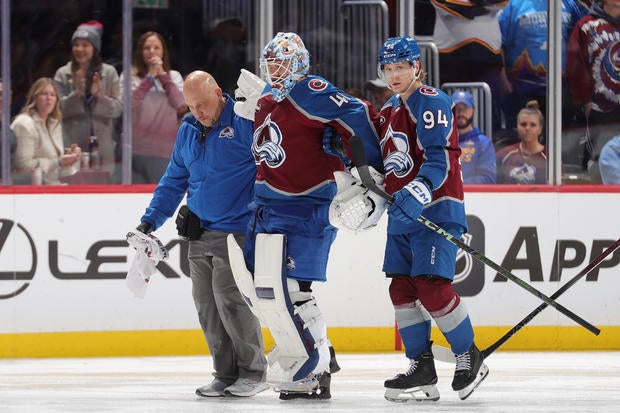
column 292, row 316
column 243, row 277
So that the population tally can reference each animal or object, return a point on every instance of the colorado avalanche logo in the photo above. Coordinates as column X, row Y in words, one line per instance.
column 525, row 174
column 317, row 84
column 266, row 144
column 425, row 90
column 611, row 63
column 395, row 149
column 227, row 133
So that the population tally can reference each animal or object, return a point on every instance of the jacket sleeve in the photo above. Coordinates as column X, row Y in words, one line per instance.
column 108, row 103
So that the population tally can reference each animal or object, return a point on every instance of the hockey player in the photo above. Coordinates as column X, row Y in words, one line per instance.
column 290, row 234
column 420, row 149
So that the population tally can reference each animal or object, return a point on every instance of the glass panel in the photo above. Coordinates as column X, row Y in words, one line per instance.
column 591, row 150
column 60, row 54
column 217, row 41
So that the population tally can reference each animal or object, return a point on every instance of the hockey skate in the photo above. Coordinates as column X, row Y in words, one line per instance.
column 315, row 386
column 469, row 373
column 416, row 384
column 334, row 367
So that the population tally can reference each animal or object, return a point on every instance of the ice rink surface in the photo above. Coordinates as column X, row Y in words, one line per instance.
column 517, row 382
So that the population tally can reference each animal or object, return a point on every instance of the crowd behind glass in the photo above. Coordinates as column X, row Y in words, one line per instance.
column 67, row 86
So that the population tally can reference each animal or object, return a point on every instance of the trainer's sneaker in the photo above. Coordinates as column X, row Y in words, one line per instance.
column 245, row 387
column 314, row 386
column 417, row 383
column 214, row 389
column 469, row 372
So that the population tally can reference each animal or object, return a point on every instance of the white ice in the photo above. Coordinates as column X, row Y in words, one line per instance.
column 517, row 382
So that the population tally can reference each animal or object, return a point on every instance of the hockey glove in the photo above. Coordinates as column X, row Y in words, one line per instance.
column 409, row 201
column 354, row 207
column 247, row 94
column 148, row 245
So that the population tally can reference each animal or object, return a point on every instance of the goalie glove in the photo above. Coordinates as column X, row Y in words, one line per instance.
column 250, row 87
column 149, row 251
column 148, row 245
column 354, row 207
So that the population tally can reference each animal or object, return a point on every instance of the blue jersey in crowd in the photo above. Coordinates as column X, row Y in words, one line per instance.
column 477, row 158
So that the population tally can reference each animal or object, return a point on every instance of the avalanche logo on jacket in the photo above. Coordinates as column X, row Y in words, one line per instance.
column 267, row 146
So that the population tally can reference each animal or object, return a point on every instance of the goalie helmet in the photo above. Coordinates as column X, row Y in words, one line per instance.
column 283, row 62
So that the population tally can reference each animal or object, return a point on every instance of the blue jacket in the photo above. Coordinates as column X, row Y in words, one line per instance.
column 217, row 171
column 477, row 158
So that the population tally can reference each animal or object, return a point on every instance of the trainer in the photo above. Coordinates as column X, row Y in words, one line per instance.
column 212, row 163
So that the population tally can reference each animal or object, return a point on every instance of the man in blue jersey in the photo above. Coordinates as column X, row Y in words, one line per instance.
column 477, row 150
column 212, row 163
column 295, row 186
column 420, row 150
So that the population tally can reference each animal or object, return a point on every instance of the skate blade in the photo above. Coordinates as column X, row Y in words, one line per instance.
column 323, row 395
column 417, row 394
column 483, row 372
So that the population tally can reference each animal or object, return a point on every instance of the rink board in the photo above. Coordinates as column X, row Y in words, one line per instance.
column 63, row 259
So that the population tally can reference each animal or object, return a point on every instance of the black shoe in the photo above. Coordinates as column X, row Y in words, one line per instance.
column 470, row 371
column 421, row 372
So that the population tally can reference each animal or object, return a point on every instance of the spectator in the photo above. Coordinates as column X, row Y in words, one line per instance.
column 477, row 150
column 609, row 162
column 379, row 92
column 38, row 133
column 469, row 40
column 89, row 94
column 524, row 38
column 593, row 72
column 156, row 97
column 213, row 164
column 525, row 162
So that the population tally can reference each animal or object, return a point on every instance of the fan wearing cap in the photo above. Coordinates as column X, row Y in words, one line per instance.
column 89, row 93
column 477, row 150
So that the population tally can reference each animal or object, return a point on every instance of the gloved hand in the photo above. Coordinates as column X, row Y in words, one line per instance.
column 148, row 245
column 409, row 201
column 247, row 94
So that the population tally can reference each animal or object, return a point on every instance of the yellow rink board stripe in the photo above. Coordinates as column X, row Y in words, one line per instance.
column 344, row 339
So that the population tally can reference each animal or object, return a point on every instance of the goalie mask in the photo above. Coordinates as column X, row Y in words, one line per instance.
column 397, row 50
column 283, row 62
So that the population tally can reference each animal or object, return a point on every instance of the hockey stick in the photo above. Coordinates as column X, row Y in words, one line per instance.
column 359, row 157
column 445, row 354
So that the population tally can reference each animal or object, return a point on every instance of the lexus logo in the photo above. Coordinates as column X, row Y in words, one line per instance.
column 21, row 250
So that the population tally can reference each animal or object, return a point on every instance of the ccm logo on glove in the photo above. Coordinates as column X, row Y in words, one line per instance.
column 419, row 191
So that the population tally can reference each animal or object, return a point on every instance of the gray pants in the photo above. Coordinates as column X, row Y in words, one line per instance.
column 232, row 332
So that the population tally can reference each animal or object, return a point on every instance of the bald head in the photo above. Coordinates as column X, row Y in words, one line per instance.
column 204, row 97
